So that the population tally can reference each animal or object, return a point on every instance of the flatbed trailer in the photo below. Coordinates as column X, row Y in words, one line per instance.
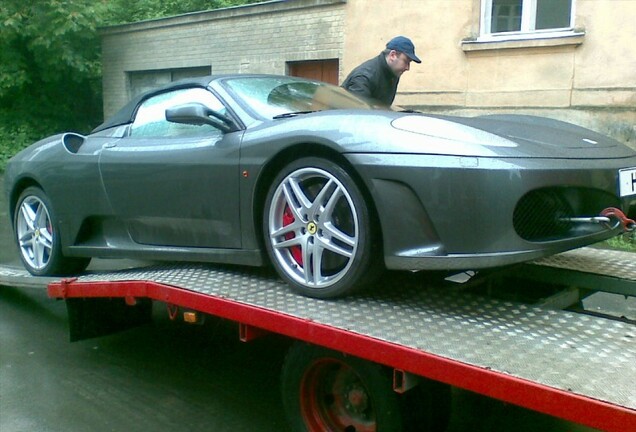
column 568, row 364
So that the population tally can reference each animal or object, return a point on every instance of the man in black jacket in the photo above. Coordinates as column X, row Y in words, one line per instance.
column 378, row 77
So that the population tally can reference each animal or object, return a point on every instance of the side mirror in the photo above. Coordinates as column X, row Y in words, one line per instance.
column 199, row 114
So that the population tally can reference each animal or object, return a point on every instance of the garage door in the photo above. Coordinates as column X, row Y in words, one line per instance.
column 141, row 81
column 322, row 70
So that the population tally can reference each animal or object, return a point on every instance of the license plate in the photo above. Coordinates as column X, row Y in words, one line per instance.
column 627, row 181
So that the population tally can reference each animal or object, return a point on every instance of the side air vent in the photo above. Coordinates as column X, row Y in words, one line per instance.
column 73, row 142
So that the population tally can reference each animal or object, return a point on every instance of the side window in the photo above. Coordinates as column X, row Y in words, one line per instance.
column 150, row 120
column 525, row 16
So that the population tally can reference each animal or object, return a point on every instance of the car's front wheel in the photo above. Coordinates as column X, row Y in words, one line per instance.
column 318, row 229
column 37, row 237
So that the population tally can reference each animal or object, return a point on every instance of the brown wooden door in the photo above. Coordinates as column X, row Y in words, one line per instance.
column 322, row 70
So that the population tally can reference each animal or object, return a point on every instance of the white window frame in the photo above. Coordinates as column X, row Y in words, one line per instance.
column 528, row 23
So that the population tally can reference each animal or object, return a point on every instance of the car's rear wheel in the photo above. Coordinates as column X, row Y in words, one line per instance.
column 318, row 229
column 37, row 237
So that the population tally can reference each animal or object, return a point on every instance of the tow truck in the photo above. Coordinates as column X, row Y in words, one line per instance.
column 385, row 359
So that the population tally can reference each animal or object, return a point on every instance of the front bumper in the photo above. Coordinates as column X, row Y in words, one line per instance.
column 450, row 212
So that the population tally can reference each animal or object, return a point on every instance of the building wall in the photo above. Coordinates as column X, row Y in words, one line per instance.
column 259, row 38
column 587, row 79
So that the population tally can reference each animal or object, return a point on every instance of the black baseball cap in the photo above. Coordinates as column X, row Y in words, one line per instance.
column 403, row 44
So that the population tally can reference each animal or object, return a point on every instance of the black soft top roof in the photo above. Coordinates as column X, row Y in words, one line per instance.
column 127, row 113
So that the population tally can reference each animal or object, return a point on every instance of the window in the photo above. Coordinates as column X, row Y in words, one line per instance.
column 269, row 97
column 150, row 120
column 503, row 17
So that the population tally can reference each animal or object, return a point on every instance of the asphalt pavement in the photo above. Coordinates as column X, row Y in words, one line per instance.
column 164, row 376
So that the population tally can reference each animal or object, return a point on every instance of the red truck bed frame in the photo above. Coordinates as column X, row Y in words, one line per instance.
column 570, row 365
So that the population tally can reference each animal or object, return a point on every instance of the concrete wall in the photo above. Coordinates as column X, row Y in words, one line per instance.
column 257, row 38
column 587, row 78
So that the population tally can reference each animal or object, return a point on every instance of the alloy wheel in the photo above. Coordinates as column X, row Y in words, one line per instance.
column 34, row 232
column 313, row 227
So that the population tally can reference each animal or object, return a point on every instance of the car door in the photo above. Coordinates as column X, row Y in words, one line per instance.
column 175, row 184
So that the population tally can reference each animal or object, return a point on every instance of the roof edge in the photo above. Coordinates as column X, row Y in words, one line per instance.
column 272, row 6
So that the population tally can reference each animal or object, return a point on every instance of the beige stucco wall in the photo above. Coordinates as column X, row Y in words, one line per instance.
column 588, row 79
column 435, row 28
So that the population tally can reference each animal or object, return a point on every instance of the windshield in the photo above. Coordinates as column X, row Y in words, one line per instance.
column 276, row 96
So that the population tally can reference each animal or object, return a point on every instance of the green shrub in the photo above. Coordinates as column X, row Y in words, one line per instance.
column 13, row 139
column 625, row 242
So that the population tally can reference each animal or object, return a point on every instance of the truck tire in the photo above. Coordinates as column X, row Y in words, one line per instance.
column 324, row 390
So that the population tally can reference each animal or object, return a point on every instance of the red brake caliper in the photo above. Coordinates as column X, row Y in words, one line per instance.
column 296, row 252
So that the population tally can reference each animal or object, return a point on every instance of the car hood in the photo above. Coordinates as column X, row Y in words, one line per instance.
column 510, row 136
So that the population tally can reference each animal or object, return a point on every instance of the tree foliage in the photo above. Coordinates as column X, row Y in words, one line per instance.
column 123, row 11
column 49, row 62
column 50, row 69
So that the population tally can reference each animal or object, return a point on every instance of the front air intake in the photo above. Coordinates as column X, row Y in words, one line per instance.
column 543, row 214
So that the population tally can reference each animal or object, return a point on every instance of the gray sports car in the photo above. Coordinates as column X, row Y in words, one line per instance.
column 249, row 169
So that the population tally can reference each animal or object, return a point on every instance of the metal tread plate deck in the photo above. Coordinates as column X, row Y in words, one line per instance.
column 617, row 264
column 20, row 278
column 586, row 358
column 589, row 356
column 599, row 262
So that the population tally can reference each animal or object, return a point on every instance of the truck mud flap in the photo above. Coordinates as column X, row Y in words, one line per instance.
column 95, row 317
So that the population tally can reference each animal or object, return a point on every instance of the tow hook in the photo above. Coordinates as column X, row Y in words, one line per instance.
column 605, row 218
column 627, row 223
